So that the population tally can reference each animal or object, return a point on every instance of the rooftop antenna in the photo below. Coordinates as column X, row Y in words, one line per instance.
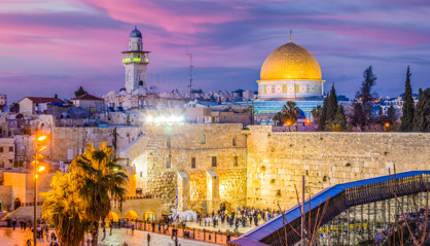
column 190, row 85
column 290, row 36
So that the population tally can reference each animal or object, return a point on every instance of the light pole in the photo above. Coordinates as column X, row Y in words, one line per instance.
column 40, row 140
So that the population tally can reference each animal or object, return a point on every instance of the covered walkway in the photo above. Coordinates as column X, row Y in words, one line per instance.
column 382, row 195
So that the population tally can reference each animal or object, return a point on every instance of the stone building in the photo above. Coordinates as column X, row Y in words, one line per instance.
column 3, row 102
column 7, row 153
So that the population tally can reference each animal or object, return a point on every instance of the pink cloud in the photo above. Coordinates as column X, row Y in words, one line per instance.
column 171, row 20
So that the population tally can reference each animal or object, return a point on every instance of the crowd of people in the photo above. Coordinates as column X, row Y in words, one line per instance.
column 240, row 217
column 42, row 230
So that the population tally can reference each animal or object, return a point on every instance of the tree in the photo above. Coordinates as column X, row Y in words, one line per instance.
column 278, row 119
column 358, row 116
column 316, row 114
column 422, row 113
column 338, row 123
column 80, row 92
column 64, row 208
column 392, row 114
column 362, row 106
column 332, row 117
column 407, row 118
column 102, row 180
column 323, row 117
column 290, row 112
column 332, row 107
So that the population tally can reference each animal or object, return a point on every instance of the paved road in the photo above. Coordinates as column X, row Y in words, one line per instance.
column 8, row 237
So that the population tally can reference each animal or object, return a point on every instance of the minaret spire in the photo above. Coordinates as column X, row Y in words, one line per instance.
column 290, row 36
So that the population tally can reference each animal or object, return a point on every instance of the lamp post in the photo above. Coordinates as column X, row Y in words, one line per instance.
column 40, row 145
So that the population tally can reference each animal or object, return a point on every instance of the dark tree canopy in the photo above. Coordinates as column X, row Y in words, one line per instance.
column 331, row 116
column 392, row 114
column 362, row 106
column 407, row 119
column 80, row 92
column 422, row 113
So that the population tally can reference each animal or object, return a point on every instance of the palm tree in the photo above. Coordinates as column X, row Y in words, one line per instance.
column 65, row 209
column 290, row 112
column 102, row 181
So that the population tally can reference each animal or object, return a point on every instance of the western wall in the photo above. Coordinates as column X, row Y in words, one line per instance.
column 277, row 161
column 199, row 166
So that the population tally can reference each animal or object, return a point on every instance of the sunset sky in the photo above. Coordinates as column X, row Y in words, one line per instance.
column 54, row 46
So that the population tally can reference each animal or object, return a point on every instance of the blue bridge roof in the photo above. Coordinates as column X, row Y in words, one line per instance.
column 254, row 236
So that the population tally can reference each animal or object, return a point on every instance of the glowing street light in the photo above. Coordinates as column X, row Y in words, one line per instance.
column 41, row 169
column 40, row 142
column 164, row 119
column 387, row 125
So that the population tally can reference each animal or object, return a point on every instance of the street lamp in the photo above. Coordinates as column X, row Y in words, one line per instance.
column 40, row 143
column 387, row 126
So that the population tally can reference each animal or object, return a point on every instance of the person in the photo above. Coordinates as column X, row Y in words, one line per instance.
column 148, row 238
column 104, row 233
column 28, row 242
column 14, row 223
column 53, row 237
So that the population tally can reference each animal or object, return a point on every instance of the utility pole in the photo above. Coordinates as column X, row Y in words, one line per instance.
column 302, row 211
column 190, row 85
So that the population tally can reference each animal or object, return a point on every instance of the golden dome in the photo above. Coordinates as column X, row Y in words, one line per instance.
column 290, row 62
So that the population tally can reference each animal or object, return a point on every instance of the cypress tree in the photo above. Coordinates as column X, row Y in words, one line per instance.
column 422, row 114
column 363, row 100
column 339, row 121
column 323, row 116
column 331, row 105
column 407, row 119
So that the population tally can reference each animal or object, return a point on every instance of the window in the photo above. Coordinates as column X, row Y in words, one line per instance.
column 10, row 148
column 284, row 88
column 273, row 89
column 214, row 163
column 169, row 142
column 236, row 161
column 234, row 141
column 169, row 161
column 203, row 139
column 10, row 161
column 193, row 162
column 1, row 149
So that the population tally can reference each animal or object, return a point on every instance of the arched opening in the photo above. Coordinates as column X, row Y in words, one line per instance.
column 149, row 216
column 112, row 216
column 131, row 215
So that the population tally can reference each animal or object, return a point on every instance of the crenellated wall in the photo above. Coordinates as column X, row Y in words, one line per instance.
column 277, row 160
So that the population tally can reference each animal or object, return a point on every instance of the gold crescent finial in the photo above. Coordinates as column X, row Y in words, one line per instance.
column 290, row 36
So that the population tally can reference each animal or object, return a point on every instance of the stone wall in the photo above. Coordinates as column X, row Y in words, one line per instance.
column 167, row 150
column 67, row 142
column 277, row 160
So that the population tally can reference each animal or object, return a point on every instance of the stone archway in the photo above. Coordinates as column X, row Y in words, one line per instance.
column 131, row 215
column 113, row 216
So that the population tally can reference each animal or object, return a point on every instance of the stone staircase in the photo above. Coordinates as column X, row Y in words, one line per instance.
column 143, row 142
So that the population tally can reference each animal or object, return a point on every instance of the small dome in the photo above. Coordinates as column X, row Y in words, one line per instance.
column 135, row 33
column 290, row 61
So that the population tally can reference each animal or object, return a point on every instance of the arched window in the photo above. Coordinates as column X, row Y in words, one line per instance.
column 203, row 139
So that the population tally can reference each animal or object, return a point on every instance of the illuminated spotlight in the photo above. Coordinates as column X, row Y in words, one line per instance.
column 163, row 119
column 41, row 169
column 149, row 119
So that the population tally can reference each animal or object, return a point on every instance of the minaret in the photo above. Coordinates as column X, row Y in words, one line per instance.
column 135, row 60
